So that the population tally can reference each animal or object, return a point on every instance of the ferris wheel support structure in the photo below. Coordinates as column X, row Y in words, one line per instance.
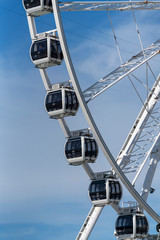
column 95, row 90
column 154, row 159
column 89, row 222
column 90, row 119
column 139, row 125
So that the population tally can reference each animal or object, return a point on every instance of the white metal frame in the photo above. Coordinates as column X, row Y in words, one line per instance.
column 139, row 125
column 90, row 119
column 95, row 90
column 122, row 71
column 39, row 10
column 109, row 5
column 154, row 159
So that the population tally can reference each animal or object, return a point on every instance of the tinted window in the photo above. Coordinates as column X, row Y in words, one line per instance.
column 39, row 49
column 115, row 192
column 124, row 225
column 141, row 225
column 73, row 148
column 31, row 3
column 71, row 100
column 56, row 51
column 97, row 190
column 91, row 149
column 54, row 101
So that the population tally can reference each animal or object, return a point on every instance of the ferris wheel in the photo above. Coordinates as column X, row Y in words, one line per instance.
column 142, row 145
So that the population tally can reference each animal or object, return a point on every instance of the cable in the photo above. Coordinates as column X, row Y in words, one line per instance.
column 42, row 22
column 100, row 31
column 124, row 68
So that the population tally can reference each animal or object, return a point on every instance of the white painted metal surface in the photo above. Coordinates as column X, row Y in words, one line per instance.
column 89, row 222
column 154, row 159
column 109, row 5
column 122, row 71
column 89, row 117
column 99, row 87
column 144, row 120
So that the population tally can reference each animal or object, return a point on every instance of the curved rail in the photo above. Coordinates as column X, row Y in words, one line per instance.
column 89, row 117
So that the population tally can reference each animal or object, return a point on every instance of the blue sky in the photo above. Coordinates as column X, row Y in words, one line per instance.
column 41, row 196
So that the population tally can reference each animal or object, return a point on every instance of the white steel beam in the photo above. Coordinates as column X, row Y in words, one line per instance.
column 123, row 158
column 45, row 78
column 33, row 34
column 154, row 159
column 64, row 127
column 89, row 223
column 122, row 71
column 145, row 160
column 109, row 5
column 90, row 119
column 32, row 26
column 89, row 171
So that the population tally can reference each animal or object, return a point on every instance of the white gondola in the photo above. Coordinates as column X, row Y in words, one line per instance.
column 81, row 149
column 37, row 7
column 131, row 226
column 46, row 52
column 105, row 191
column 61, row 102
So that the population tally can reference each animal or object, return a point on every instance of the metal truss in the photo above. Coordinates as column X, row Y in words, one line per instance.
column 142, row 137
column 89, row 118
column 149, row 117
column 122, row 71
column 109, row 5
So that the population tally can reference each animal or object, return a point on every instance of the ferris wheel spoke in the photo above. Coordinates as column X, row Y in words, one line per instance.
column 149, row 153
column 45, row 78
column 140, row 139
column 108, row 5
column 89, row 222
column 122, row 71
column 64, row 127
column 154, row 159
column 89, row 171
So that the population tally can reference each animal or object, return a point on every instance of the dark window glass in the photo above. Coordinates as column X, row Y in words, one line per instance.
column 87, row 143
column 138, row 225
column 94, row 148
column 73, row 148
column 31, row 3
column 68, row 100
column 75, row 101
column 48, row 3
column 39, row 49
column 115, row 192
column 71, row 101
column 56, row 51
column 91, row 149
column 145, row 225
column 54, row 101
column 124, row 225
column 97, row 190
column 141, row 225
